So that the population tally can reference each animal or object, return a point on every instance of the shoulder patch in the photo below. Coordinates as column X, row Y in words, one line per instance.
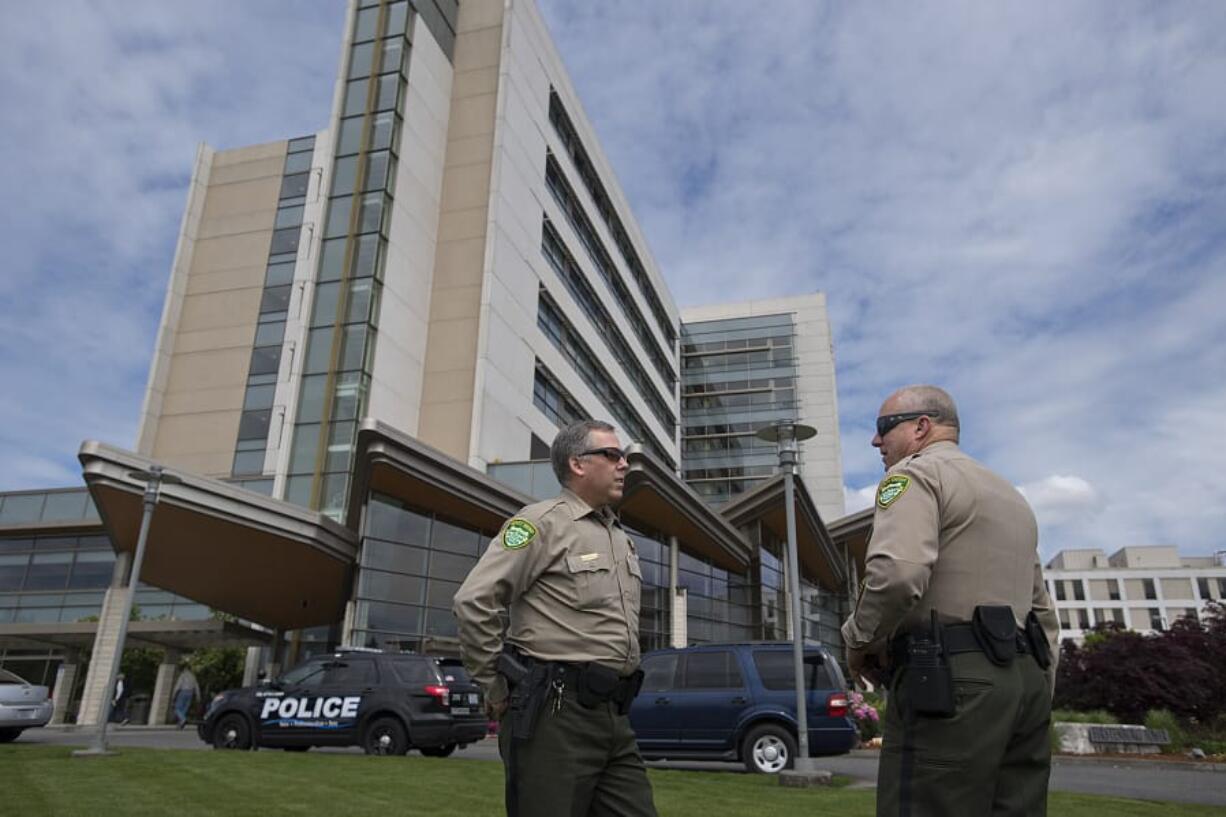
column 518, row 533
column 890, row 489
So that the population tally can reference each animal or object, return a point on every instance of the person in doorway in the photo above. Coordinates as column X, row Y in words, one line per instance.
column 119, row 704
column 186, row 690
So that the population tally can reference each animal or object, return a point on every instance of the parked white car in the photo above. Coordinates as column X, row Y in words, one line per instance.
column 22, row 706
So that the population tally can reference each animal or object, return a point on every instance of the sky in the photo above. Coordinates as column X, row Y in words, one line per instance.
column 1024, row 203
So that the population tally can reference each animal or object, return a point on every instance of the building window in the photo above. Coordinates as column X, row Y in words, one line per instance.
column 1150, row 592
column 1155, row 619
column 1060, row 594
column 1083, row 619
column 1079, row 592
column 1113, row 589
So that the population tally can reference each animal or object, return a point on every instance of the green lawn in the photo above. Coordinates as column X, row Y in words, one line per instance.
column 40, row 780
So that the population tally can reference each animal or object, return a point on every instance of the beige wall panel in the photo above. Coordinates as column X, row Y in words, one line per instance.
column 251, row 153
column 466, row 187
column 460, row 224
column 248, row 170
column 453, row 345
column 1177, row 588
column 213, row 310
column 238, row 278
column 238, row 223
column 216, row 464
column 479, row 48
column 475, row 15
column 460, row 262
column 451, row 387
column 446, row 425
column 226, row 337
column 471, row 116
column 1134, row 589
column 456, row 303
column 475, row 82
column 229, row 252
column 213, row 369
column 199, row 433
column 470, row 149
column 255, row 195
column 198, row 401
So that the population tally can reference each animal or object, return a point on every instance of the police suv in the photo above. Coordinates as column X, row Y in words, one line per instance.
column 385, row 702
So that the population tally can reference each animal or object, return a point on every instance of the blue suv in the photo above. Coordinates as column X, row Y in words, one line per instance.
column 738, row 702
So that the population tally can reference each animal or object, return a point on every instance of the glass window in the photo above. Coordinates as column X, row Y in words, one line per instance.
column 395, row 587
column 388, row 556
column 22, row 508
column 340, row 446
column 450, row 566
column 777, row 672
column 66, row 505
column 659, row 672
column 279, row 274
column 440, row 623
column 306, row 444
column 388, row 93
column 295, row 184
column 353, row 352
column 265, row 360
column 711, row 670
column 48, row 571
column 366, row 256
column 455, row 539
column 383, row 131
column 344, row 175
column 355, row 97
column 16, row 544
column 1150, row 592
column 376, row 170
column 332, row 263
column 397, row 17
column 396, row 617
column 319, row 350
column 334, row 493
column 366, row 24
column 92, row 571
column 323, row 312
column 358, row 672
column 370, row 219
column 351, row 388
column 413, row 671
column 386, row 521
column 393, row 55
column 297, row 163
column 12, row 571
column 270, row 334
column 99, row 541
column 248, row 462
column 349, row 139
column 308, row 674
column 288, row 217
column 311, row 399
column 338, row 216
column 275, row 299
column 360, row 57
column 441, row 593
column 298, row 490
column 285, row 241
column 253, row 425
column 302, row 143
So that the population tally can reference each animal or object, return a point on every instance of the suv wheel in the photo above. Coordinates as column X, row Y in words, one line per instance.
column 232, row 732
column 9, row 735
column 438, row 751
column 768, row 749
column 385, row 736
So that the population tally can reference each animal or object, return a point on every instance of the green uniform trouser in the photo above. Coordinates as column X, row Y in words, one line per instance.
column 992, row 757
column 578, row 762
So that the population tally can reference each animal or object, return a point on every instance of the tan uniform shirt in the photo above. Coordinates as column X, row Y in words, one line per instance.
column 572, row 592
column 948, row 534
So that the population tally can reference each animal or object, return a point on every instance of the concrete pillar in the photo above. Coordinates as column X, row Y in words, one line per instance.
column 251, row 667
column 159, row 706
column 680, row 607
column 65, row 681
column 275, row 654
column 94, row 698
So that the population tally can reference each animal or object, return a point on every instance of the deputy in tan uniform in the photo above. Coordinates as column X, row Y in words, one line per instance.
column 562, row 675
column 953, row 615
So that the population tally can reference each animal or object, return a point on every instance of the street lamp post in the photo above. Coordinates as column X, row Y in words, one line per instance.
column 786, row 434
column 154, row 478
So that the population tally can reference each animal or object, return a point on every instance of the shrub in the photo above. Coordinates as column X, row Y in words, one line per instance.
column 1165, row 719
column 1091, row 716
column 865, row 714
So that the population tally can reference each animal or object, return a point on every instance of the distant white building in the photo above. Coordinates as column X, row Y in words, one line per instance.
column 1143, row 588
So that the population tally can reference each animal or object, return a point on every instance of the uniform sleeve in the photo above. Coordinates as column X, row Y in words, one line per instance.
column 501, row 575
column 901, row 553
column 1040, row 602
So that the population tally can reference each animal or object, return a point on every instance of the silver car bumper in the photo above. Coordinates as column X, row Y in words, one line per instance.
column 26, row 716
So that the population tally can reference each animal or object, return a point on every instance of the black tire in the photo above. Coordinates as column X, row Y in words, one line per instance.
column 768, row 749
column 295, row 748
column 438, row 751
column 385, row 736
column 9, row 735
column 232, row 732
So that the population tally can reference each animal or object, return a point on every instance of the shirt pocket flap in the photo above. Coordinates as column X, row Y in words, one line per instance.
column 588, row 562
column 632, row 562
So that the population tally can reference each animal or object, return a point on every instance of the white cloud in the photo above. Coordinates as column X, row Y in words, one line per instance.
column 857, row 499
column 1058, row 499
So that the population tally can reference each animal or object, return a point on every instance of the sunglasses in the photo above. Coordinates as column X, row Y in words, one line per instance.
column 613, row 455
column 887, row 422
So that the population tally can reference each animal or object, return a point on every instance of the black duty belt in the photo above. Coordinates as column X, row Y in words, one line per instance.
column 955, row 639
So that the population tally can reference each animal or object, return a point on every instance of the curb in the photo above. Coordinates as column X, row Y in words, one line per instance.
column 1195, row 765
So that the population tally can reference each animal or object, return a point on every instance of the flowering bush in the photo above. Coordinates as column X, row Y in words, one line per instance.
column 868, row 719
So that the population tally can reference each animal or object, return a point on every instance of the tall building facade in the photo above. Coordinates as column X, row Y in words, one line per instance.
column 451, row 251
column 1142, row 588
column 748, row 365
column 372, row 333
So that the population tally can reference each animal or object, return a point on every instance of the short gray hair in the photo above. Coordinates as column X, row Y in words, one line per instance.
column 571, row 442
column 932, row 399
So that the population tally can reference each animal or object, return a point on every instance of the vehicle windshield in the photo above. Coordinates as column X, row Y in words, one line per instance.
column 453, row 672
column 7, row 677
column 302, row 672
